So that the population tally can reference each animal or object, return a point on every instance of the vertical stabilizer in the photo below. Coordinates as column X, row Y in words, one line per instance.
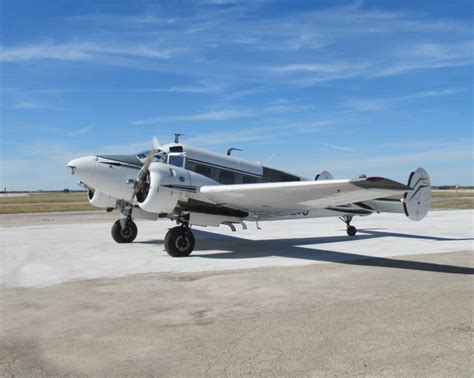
column 324, row 175
column 417, row 201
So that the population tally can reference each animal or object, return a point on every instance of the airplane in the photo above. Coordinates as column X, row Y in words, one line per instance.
column 195, row 187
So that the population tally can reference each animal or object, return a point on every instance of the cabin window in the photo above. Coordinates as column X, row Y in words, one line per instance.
column 203, row 170
column 249, row 180
column 272, row 175
column 176, row 160
column 226, row 177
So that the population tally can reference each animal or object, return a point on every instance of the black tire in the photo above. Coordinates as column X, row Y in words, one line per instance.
column 179, row 242
column 126, row 234
column 351, row 231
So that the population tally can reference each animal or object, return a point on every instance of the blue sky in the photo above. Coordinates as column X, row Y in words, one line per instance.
column 375, row 87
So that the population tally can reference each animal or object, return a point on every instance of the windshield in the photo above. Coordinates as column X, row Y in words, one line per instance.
column 159, row 156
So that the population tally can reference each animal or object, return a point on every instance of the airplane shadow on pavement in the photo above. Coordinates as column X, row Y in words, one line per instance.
column 239, row 248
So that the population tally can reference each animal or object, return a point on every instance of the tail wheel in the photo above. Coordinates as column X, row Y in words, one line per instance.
column 179, row 242
column 124, row 231
column 351, row 230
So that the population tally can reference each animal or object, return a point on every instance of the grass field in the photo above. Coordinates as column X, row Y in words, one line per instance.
column 452, row 199
column 45, row 202
column 53, row 202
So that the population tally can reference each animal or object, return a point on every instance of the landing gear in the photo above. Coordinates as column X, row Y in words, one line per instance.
column 179, row 241
column 351, row 230
column 124, row 230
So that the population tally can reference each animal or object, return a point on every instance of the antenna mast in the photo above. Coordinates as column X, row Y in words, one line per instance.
column 229, row 151
column 176, row 137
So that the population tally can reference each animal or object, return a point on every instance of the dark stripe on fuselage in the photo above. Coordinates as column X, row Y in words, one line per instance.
column 127, row 159
column 182, row 187
column 120, row 164
column 195, row 206
column 223, row 167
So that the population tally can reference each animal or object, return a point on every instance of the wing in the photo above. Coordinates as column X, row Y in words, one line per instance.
column 288, row 197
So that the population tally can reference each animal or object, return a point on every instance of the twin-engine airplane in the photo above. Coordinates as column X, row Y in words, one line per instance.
column 191, row 186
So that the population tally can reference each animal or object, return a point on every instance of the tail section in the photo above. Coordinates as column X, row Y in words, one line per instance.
column 417, row 201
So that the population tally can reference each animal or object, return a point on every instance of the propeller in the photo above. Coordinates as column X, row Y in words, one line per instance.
column 140, row 182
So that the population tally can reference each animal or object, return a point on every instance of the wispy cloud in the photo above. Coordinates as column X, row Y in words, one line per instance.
column 218, row 115
column 340, row 148
column 230, row 114
column 381, row 104
column 198, row 88
column 79, row 51
column 81, row 131
column 414, row 57
column 258, row 134
column 201, row 88
column 30, row 105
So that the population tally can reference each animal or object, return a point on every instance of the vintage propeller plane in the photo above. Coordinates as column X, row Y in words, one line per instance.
column 192, row 186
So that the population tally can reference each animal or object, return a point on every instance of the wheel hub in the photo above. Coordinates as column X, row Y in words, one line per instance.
column 182, row 242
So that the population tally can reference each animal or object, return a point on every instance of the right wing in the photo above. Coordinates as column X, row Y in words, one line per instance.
column 287, row 197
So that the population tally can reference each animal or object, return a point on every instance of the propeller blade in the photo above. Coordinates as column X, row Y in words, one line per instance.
column 156, row 143
column 142, row 174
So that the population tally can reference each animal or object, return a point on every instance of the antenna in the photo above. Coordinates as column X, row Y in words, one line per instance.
column 270, row 158
column 229, row 150
column 176, row 137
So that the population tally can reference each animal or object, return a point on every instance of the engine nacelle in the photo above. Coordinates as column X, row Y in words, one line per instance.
column 165, row 186
column 99, row 199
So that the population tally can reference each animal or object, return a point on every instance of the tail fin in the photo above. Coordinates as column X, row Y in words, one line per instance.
column 324, row 175
column 417, row 201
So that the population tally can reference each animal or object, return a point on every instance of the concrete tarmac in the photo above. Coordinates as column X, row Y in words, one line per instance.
column 294, row 299
column 49, row 253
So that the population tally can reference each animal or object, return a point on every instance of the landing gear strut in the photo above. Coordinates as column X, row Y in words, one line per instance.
column 124, row 230
column 351, row 230
column 179, row 241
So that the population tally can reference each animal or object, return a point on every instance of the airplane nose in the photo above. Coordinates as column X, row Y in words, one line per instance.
column 82, row 167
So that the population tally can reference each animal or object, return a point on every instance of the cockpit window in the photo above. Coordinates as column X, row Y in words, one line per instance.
column 176, row 160
column 143, row 154
column 159, row 156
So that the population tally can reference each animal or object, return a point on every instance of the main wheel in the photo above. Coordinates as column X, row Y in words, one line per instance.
column 179, row 242
column 125, row 234
column 351, row 231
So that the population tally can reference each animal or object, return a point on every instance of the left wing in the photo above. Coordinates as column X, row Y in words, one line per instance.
column 287, row 197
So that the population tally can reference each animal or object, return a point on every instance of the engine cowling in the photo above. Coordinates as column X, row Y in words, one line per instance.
column 99, row 199
column 163, row 189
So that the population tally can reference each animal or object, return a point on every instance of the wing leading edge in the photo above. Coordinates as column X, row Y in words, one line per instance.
column 286, row 197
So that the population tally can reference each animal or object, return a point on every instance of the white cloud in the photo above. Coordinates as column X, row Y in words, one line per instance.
column 30, row 105
column 218, row 115
column 340, row 148
column 78, row 51
column 81, row 131
column 382, row 104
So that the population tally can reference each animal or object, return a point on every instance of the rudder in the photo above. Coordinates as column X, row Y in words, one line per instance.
column 417, row 201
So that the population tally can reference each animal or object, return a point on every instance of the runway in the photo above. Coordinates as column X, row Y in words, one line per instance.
column 44, row 255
